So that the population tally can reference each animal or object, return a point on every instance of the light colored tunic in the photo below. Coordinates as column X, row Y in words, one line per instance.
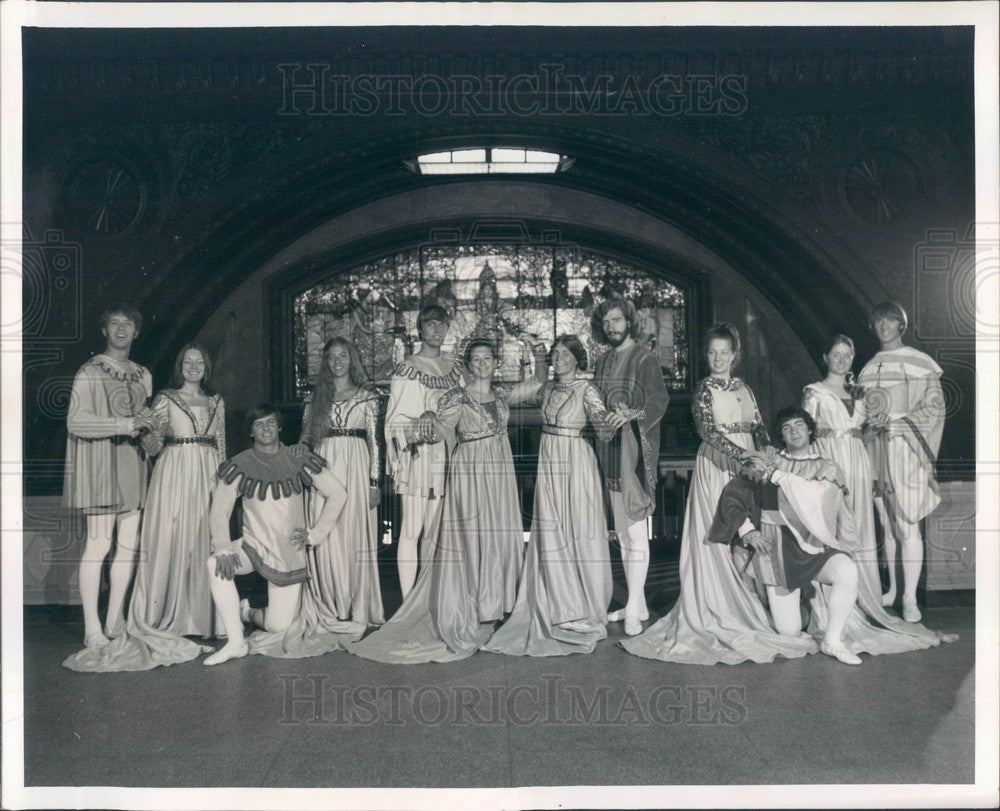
column 416, row 387
column 905, row 384
column 105, row 471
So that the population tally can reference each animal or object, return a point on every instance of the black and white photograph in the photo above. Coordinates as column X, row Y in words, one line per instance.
column 502, row 405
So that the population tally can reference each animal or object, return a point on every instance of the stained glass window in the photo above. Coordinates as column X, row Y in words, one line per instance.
column 491, row 290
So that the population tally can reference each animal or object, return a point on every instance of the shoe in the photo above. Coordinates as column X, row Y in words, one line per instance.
column 633, row 627
column 839, row 652
column 910, row 611
column 619, row 615
column 227, row 652
column 245, row 610
column 95, row 640
column 888, row 599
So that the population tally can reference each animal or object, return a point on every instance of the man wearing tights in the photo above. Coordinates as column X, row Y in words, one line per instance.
column 790, row 526
column 106, row 471
column 271, row 480
column 415, row 454
column 903, row 434
column 629, row 378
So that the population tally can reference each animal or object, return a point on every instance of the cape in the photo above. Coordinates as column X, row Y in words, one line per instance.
column 280, row 473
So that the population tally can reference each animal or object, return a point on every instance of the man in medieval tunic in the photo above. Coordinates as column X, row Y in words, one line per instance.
column 271, row 479
column 630, row 379
column 106, row 472
column 415, row 454
column 903, row 435
column 790, row 526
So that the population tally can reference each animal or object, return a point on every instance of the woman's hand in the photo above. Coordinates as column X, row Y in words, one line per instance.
column 757, row 541
column 618, row 417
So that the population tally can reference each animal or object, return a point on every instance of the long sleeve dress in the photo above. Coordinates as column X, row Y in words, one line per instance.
column 171, row 597
column 566, row 576
column 346, row 579
column 839, row 421
column 718, row 617
column 470, row 580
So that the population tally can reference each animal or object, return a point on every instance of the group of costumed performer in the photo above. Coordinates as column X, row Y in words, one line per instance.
column 762, row 527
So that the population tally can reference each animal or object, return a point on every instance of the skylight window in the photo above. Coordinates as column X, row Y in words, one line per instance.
column 490, row 161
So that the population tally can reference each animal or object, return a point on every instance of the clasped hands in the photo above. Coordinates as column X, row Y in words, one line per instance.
column 620, row 416
column 425, row 428
column 756, row 540
column 300, row 538
column 757, row 465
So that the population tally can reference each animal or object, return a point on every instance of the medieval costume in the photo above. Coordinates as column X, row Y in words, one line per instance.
column 632, row 377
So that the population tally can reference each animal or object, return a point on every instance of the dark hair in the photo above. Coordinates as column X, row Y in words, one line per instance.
column 614, row 303
column 475, row 343
column 793, row 413
column 177, row 378
column 726, row 332
column 259, row 412
column 323, row 394
column 837, row 339
column 432, row 312
column 888, row 309
column 846, row 341
column 127, row 310
column 573, row 344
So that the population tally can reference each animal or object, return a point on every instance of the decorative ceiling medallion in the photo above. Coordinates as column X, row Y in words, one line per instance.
column 103, row 197
column 881, row 187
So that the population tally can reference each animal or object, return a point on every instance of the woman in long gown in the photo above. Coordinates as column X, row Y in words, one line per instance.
column 471, row 579
column 838, row 407
column 718, row 617
column 171, row 598
column 340, row 424
column 562, row 600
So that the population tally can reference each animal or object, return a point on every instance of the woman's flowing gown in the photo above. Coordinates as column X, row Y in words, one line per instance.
column 718, row 616
column 171, row 597
column 346, row 564
column 471, row 580
column 566, row 576
column 838, row 437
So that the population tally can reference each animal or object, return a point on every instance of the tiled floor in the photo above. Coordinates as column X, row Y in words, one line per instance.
column 605, row 718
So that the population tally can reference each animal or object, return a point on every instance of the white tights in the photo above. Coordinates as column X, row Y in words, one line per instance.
column 100, row 534
column 282, row 603
column 418, row 515
column 635, row 558
column 907, row 537
column 841, row 574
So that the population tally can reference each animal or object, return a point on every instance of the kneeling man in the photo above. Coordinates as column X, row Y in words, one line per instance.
column 790, row 526
column 271, row 479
